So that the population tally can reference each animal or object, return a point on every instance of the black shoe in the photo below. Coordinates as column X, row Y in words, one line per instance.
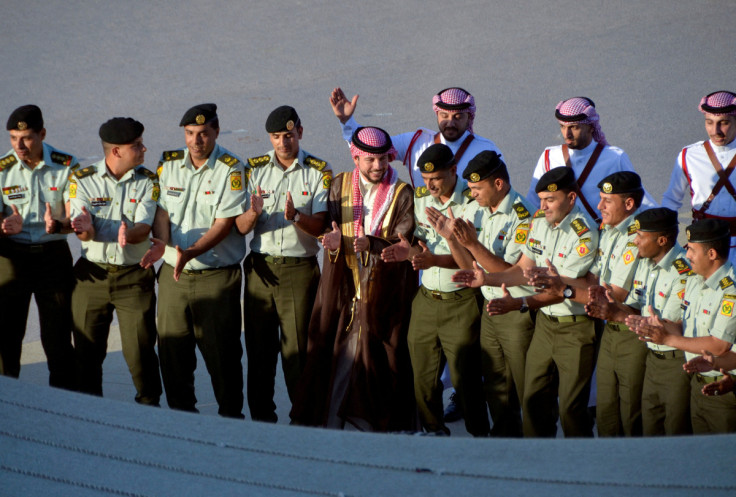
column 452, row 411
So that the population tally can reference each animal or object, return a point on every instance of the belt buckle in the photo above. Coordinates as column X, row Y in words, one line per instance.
column 279, row 259
column 36, row 248
column 436, row 294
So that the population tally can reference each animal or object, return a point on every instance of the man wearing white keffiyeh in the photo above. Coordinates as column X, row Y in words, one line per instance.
column 358, row 368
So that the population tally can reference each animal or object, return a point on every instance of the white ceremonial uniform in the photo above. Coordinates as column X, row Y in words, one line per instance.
column 699, row 181
column 424, row 139
column 611, row 160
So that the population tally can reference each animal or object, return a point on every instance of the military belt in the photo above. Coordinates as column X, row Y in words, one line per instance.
column 667, row 354
column 279, row 259
column 568, row 319
column 456, row 295
column 617, row 327
column 35, row 248
column 113, row 268
column 710, row 379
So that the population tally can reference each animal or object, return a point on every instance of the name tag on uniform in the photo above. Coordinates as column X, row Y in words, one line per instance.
column 99, row 202
column 16, row 196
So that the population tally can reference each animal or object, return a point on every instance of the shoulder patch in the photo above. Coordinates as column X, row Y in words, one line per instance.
column 681, row 265
column 259, row 161
column 579, row 226
column 521, row 211
column 726, row 282
column 538, row 214
column 147, row 173
column 85, row 171
column 632, row 229
column 630, row 244
column 228, row 160
column 421, row 191
column 316, row 163
column 172, row 155
column 468, row 194
column 7, row 162
column 63, row 159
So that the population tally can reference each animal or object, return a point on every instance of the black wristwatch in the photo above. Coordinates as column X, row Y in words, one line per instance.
column 524, row 305
column 568, row 292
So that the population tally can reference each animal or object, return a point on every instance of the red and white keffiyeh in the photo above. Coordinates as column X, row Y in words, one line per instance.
column 720, row 103
column 581, row 106
column 452, row 97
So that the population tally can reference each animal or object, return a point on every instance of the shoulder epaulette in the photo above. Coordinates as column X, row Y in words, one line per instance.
column 579, row 226
column 7, row 162
column 421, row 191
column 682, row 266
column 538, row 214
column 632, row 229
column 316, row 163
column 467, row 193
column 228, row 160
column 147, row 173
column 726, row 282
column 63, row 159
column 261, row 160
column 521, row 211
column 172, row 155
column 85, row 171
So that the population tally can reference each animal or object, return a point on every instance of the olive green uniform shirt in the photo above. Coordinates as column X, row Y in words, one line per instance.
column 504, row 233
column 194, row 198
column 29, row 190
column 438, row 278
column 308, row 179
column 709, row 308
column 109, row 201
column 661, row 285
column 571, row 246
column 618, row 255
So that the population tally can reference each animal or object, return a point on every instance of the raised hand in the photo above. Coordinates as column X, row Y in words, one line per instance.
column 256, row 201
column 600, row 300
column 153, row 254
column 473, row 278
column 651, row 329
column 331, row 240
column 502, row 305
column 341, row 106
column 289, row 209
column 444, row 225
column 48, row 219
column 361, row 243
column 83, row 222
column 701, row 364
column 182, row 257
column 465, row 232
column 424, row 259
column 720, row 387
column 12, row 224
column 397, row 252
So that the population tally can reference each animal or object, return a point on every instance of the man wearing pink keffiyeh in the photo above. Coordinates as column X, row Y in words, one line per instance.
column 358, row 369
column 586, row 151
column 699, row 167
column 455, row 111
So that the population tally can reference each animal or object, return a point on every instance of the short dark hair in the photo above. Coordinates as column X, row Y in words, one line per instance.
column 722, row 246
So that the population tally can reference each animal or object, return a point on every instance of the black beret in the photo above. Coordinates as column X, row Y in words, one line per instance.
column 659, row 219
column 282, row 118
column 482, row 166
column 199, row 114
column 557, row 178
column 708, row 230
column 121, row 130
column 25, row 117
column 365, row 147
column 437, row 157
column 621, row 182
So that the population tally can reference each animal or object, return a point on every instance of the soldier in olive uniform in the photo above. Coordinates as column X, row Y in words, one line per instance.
column 502, row 221
column 444, row 319
column 288, row 206
column 34, row 254
column 560, row 356
column 202, row 192
column 113, row 204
